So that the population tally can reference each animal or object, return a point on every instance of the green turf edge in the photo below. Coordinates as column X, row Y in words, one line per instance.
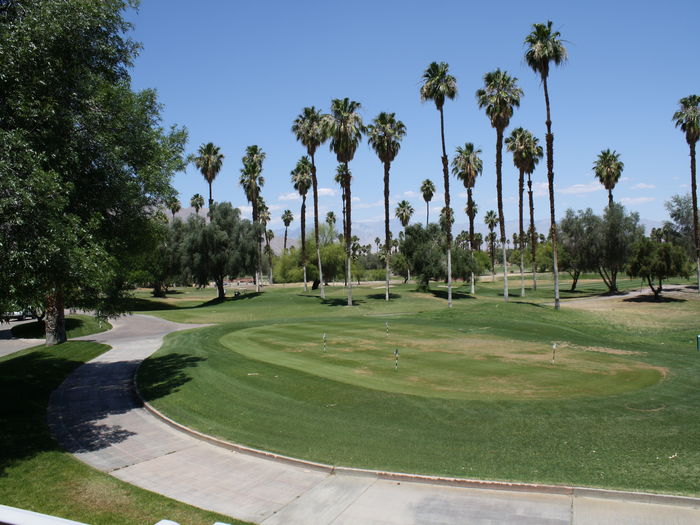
column 36, row 475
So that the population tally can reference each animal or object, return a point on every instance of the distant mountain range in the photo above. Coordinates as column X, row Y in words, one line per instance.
column 368, row 231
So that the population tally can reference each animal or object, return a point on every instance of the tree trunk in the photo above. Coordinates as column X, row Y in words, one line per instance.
column 55, row 322
column 345, row 226
column 258, row 270
column 314, row 184
column 694, row 194
column 501, row 219
column 470, row 213
column 220, row 292
column 521, row 238
column 211, row 200
column 550, row 180
column 285, row 241
column 303, row 239
column 574, row 282
column 533, row 235
column 446, row 176
column 427, row 213
column 387, row 233
column 610, row 199
column 348, row 235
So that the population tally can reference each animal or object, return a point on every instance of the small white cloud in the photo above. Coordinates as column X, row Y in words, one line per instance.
column 624, row 179
column 636, row 200
column 580, row 189
column 410, row 194
column 684, row 186
column 275, row 207
column 356, row 199
column 540, row 189
column 327, row 192
column 292, row 196
column 643, row 186
column 246, row 209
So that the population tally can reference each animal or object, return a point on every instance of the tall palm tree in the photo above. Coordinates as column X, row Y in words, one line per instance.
column 526, row 154
column 428, row 190
column 311, row 130
column 466, row 166
column 491, row 220
column 345, row 128
column 302, row 181
column 330, row 219
column 545, row 46
column 174, row 206
column 342, row 177
column 404, row 212
column 384, row 137
column 197, row 202
column 608, row 169
column 209, row 161
column 264, row 214
column 287, row 219
column 688, row 119
column 498, row 97
column 251, row 180
column 438, row 85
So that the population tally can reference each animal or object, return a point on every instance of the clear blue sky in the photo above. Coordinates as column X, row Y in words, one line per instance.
column 238, row 73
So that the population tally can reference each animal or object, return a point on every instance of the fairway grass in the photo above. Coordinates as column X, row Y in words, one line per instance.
column 76, row 326
column 35, row 474
column 476, row 394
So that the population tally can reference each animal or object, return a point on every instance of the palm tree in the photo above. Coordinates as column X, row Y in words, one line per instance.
column 384, row 136
column 438, row 84
column 302, row 181
column 209, row 162
column 404, row 212
column 428, row 190
column 491, row 220
column 174, row 206
column 498, row 98
column 251, row 180
column 526, row 154
column 342, row 176
column 311, row 130
column 287, row 219
column 545, row 46
column 608, row 169
column 688, row 119
column 264, row 214
column 330, row 220
column 197, row 202
column 378, row 242
column 466, row 166
column 345, row 129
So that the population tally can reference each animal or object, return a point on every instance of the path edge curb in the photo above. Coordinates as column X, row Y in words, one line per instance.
column 564, row 490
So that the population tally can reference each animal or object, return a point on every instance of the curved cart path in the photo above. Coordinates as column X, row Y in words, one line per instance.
column 96, row 415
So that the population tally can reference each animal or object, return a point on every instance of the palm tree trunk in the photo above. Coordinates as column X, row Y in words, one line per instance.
column 55, row 321
column 694, row 194
column 470, row 213
column 211, row 200
column 550, row 180
column 345, row 220
column 314, row 184
column 610, row 199
column 521, row 238
column 387, row 233
column 285, row 240
column 501, row 220
column 348, row 236
column 303, row 239
column 533, row 235
column 258, row 270
column 448, row 226
column 427, row 213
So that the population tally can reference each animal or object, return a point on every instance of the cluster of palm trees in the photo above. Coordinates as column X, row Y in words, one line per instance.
column 500, row 95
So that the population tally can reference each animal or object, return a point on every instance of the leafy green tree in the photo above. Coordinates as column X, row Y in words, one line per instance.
column 424, row 249
column 384, row 136
column 251, row 180
column 466, row 166
column 287, row 219
column 608, row 170
column 310, row 128
column 614, row 241
column 526, row 154
column 498, row 97
column 226, row 246
column 427, row 189
column 438, row 85
column 544, row 46
column 197, row 202
column 84, row 163
column 209, row 160
column 680, row 229
column 301, row 179
column 657, row 262
column 345, row 129
column 578, row 240
column 687, row 118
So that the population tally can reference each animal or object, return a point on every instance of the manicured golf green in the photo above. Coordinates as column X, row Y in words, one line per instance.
column 476, row 393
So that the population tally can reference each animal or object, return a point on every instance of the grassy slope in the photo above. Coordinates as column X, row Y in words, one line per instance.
column 35, row 474
column 646, row 440
column 76, row 326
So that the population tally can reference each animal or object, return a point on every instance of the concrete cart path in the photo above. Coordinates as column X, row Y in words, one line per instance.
column 10, row 345
column 96, row 415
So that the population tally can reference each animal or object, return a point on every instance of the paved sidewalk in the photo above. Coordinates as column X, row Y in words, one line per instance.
column 96, row 416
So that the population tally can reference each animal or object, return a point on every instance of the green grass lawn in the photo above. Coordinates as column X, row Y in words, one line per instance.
column 76, row 326
column 476, row 394
column 35, row 474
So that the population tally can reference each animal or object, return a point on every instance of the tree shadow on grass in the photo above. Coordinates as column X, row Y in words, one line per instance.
column 442, row 294
column 35, row 330
column 229, row 299
column 335, row 301
column 382, row 296
column 160, row 376
column 651, row 299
